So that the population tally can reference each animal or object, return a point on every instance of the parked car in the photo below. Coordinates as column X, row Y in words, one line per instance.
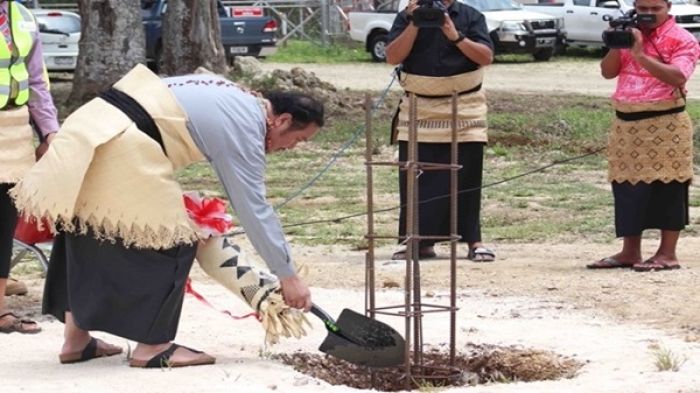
column 513, row 29
column 245, row 31
column 372, row 28
column 59, row 32
column 585, row 24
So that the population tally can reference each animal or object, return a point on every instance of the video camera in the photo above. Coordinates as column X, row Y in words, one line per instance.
column 430, row 13
column 620, row 36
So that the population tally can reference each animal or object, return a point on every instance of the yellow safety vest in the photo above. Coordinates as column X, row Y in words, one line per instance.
column 14, row 78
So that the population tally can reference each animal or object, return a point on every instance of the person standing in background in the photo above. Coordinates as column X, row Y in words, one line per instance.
column 435, row 62
column 24, row 93
column 650, row 145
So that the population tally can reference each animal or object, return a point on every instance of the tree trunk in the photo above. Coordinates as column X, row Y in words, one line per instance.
column 111, row 43
column 192, row 37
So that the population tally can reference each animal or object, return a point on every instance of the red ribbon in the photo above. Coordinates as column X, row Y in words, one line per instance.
column 198, row 296
column 208, row 213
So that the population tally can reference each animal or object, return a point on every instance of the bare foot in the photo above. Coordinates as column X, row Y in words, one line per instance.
column 75, row 345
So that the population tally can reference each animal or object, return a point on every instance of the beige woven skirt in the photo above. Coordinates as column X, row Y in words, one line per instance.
column 434, row 108
column 659, row 148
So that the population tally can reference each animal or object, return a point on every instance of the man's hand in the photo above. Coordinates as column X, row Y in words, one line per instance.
column 637, row 49
column 411, row 6
column 449, row 29
column 44, row 146
column 295, row 293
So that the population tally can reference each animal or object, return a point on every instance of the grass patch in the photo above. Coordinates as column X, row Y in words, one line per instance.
column 567, row 202
column 297, row 51
column 667, row 360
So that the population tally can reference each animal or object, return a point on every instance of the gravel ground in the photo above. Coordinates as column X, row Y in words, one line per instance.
column 581, row 77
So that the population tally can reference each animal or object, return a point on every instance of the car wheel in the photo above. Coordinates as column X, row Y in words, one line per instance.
column 377, row 47
column 543, row 54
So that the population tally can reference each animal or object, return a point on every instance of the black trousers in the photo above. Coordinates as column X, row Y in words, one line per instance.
column 8, row 222
column 132, row 293
column 656, row 205
column 434, row 216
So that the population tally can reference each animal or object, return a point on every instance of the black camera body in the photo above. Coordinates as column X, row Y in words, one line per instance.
column 620, row 37
column 430, row 13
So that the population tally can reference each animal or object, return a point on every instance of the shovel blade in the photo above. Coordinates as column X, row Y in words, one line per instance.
column 365, row 342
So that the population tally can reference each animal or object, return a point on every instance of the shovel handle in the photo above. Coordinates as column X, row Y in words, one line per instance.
column 323, row 316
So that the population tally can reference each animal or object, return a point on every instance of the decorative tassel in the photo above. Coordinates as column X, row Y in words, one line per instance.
column 227, row 264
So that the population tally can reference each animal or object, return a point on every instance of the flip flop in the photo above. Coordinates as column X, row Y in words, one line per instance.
column 485, row 254
column 401, row 255
column 651, row 265
column 18, row 325
column 162, row 360
column 91, row 351
column 609, row 263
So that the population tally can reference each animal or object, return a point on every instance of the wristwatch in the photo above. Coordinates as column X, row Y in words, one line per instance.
column 458, row 39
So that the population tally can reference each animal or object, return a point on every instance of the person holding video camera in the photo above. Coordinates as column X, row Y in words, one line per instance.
column 442, row 47
column 650, row 144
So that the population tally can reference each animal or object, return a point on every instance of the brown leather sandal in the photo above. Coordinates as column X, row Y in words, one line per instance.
column 18, row 324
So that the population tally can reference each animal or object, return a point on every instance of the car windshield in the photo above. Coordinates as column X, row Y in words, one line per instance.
column 57, row 21
column 631, row 2
column 492, row 5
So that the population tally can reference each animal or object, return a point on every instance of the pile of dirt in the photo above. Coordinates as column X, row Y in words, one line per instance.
column 339, row 103
column 478, row 364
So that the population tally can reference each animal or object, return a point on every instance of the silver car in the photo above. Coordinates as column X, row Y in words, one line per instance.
column 60, row 32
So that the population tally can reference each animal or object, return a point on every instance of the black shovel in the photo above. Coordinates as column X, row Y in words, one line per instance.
column 360, row 340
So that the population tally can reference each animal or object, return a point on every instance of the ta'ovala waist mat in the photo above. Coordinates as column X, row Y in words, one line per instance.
column 649, row 142
column 104, row 173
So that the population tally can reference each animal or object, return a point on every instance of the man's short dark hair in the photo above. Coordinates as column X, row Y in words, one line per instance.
column 303, row 108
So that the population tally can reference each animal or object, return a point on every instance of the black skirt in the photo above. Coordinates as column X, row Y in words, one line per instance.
column 656, row 205
column 8, row 221
column 434, row 216
column 132, row 293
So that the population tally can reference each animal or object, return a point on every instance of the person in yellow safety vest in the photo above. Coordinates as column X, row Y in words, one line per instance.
column 24, row 93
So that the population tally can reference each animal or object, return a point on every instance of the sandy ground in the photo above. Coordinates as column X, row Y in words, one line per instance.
column 582, row 77
column 609, row 320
